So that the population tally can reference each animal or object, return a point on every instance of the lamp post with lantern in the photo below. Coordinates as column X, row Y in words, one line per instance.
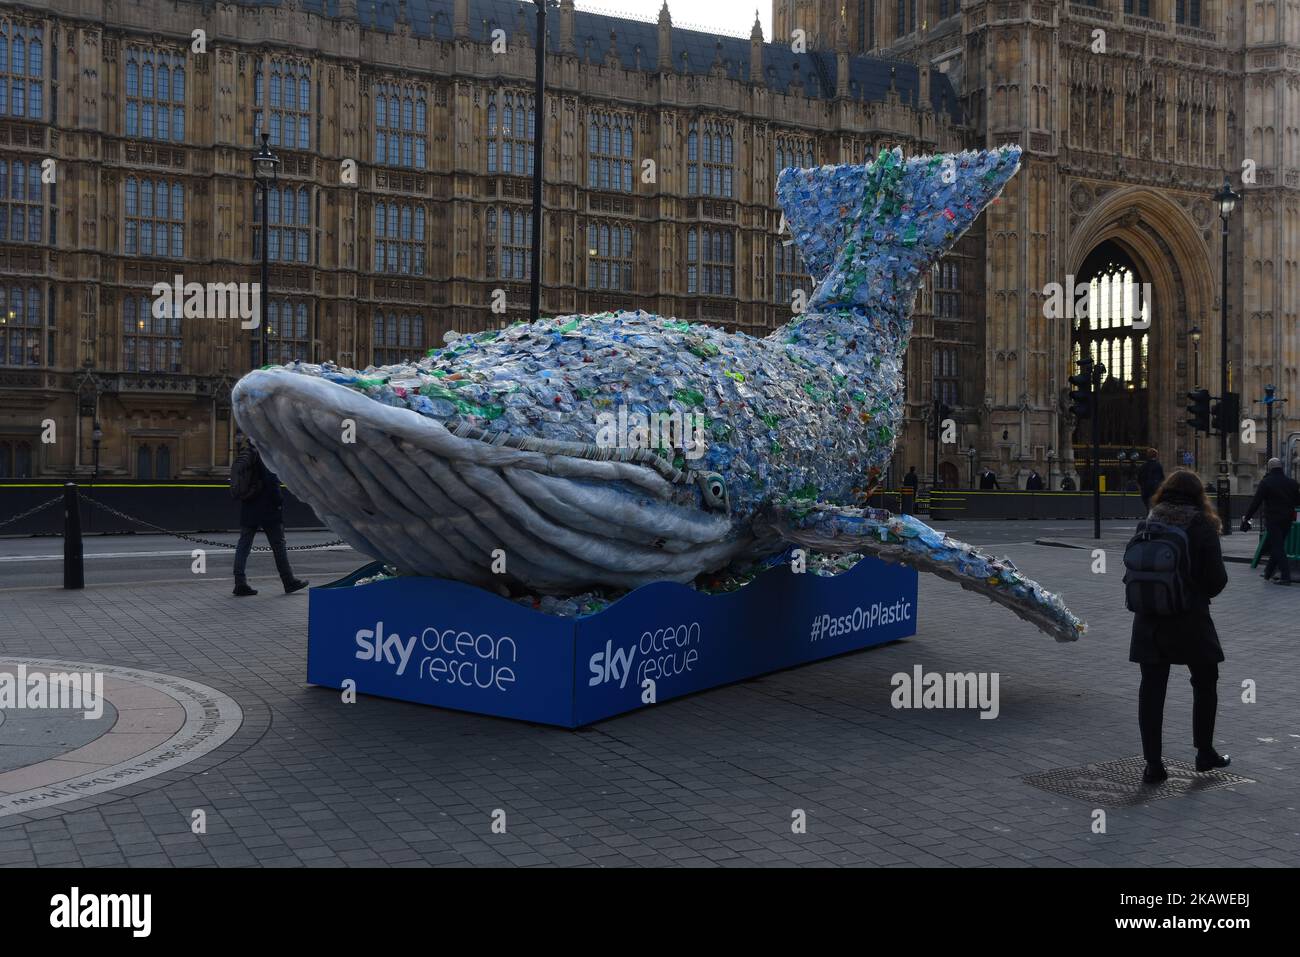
column 1226, row 199
column 266, row 173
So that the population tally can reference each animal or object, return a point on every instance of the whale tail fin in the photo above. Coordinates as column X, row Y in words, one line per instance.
column 868, row 233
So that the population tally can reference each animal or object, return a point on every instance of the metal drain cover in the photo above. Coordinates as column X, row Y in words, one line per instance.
column 1119, row 783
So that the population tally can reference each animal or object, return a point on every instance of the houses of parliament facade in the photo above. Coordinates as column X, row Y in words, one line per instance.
column 402, row 208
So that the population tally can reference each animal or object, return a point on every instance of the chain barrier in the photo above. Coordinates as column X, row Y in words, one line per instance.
column 195, row 539
column 31, row 511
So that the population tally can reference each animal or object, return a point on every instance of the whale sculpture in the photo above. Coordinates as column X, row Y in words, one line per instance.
column 503, row 459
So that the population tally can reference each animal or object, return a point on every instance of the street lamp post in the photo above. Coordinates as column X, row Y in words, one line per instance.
column 539, row 154
column 1227, row 202
column 266, row 169
column 1196, row 374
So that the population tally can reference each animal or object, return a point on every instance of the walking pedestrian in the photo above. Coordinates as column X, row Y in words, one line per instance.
column 1149, row 477
column 1034, row 483
column 261, row 506
column 910, row 483
column 1278, row 497
column 1183, row 520
column 989, row 480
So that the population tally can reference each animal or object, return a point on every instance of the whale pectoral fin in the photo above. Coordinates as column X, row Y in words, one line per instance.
column 904, row 540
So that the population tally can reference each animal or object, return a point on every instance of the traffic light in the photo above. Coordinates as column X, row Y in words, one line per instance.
column 1081, row 391
column 1226, row 414
column 1199, row 408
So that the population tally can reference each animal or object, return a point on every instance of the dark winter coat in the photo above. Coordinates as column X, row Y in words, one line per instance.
column 267, row 506
column 1034, row 483
column 1278, row 496
column 1189, row 638
column 1149, row 476
column 989, row 480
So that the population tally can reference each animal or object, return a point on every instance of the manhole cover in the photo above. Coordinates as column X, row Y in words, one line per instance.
column 1119, row 783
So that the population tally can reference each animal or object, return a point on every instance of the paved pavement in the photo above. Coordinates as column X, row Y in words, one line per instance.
column 710, row 780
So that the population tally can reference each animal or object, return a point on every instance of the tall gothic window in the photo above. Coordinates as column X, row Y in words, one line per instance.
column 401, row 125
column 22, row 90
column 155, row 218
column 20, row 326
column 1113, row 331
column 794, row 151
column 155, row 95
column 397, row 337
column 609, row 151
column 609, row 256
column 288, row 326
column 947, row 374
column 509, row 239
column 710, row 262
column 15, row 457
column 510, row 119
column 710, row 156
column 287, row 101
column 1188, row 12
column 150, row 343
column 789, row 271
column 399, row 238
column 21, row 203
column 947, row 292
column 288, row 210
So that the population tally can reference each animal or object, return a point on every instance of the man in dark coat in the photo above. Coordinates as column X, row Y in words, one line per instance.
column 1279, row 497
column 910, row 482
column 1149, row 477
column 989, row 480
column 1034, row 483
column 263, row 509
column 1190, row 638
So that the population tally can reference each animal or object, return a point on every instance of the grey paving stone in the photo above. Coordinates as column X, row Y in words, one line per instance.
column 705, row 781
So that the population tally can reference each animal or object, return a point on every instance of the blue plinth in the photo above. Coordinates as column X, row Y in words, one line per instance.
column 444, row 643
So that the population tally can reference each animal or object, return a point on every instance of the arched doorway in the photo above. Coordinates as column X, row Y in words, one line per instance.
column 1162, row 245
column 1114, row 330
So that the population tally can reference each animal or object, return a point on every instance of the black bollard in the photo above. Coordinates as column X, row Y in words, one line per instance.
column 74, row 573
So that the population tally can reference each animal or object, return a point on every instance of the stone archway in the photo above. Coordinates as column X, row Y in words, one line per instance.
column 1168, row 251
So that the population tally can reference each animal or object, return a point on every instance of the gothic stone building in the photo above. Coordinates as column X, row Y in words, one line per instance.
column 402, row 208
column 1131, row 112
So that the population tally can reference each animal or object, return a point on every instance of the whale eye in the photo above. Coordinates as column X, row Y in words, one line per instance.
column 714, row 488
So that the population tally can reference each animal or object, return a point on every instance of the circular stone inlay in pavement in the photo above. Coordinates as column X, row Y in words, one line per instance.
column 151, row 723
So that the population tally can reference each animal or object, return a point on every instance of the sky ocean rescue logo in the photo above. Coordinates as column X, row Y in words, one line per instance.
column 454, row 657
column 658, row 654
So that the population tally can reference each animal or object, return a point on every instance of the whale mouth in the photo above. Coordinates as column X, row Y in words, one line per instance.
column 402, row 488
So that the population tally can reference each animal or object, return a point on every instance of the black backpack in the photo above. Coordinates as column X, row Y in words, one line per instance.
column 1158, row 570
column 245, row 483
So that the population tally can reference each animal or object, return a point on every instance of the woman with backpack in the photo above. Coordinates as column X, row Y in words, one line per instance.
column 1178, row 631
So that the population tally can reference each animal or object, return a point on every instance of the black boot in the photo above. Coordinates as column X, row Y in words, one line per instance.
column 1211, row 759
column 298, row 584
column 243, row 590
column 1154, row 773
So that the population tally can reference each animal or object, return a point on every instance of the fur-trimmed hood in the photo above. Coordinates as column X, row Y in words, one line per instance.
column 1175, row 513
